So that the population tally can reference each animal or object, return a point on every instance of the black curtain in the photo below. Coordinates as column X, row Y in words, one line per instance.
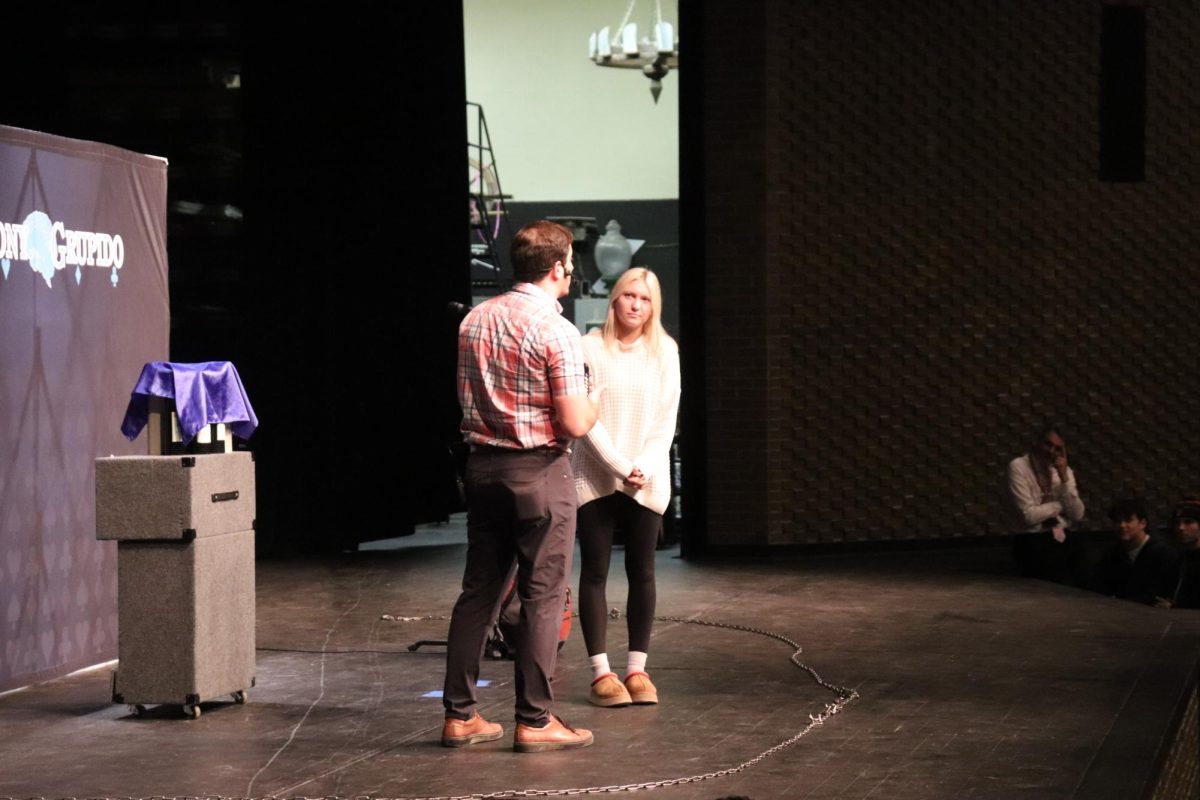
column 357, row 222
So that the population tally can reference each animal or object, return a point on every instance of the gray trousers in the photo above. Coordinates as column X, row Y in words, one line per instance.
column 520, row 506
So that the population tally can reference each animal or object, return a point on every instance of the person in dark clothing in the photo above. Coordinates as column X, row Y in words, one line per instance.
column 1138, row 566
column 1185, row 523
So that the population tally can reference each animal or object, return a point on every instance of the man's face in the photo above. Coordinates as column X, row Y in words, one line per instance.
column 568, row 271
column 1131, row 532
column 1188, row 531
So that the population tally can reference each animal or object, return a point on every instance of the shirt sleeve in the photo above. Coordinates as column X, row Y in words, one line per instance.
column 1155, row 573
column 1068, row 496
column 1166, row 580
column 1027, row 496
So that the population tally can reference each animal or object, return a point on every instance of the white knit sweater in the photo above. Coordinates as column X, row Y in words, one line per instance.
column 638, row 406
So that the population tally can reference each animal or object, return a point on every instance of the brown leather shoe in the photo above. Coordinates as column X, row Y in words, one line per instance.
column 557, row 735
column 641, row 690
column 458, row 733
column 608, row 692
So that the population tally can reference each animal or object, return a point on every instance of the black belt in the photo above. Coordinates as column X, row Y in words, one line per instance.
column 515, row 451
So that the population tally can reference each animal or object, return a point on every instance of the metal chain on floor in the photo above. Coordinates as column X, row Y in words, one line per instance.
column 845, row 696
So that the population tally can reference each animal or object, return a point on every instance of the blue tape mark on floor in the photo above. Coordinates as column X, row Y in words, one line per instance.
column 438, row 693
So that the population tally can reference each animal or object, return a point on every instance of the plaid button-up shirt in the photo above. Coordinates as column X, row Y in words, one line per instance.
column 516, row 353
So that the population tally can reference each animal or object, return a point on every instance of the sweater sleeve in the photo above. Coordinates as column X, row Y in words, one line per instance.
column 600, row 445
column 598, row 441
column 657, row 447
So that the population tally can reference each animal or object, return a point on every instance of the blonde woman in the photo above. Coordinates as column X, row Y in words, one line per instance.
column 622, row 476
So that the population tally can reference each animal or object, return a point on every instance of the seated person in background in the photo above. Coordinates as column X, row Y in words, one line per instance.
column 1185, row 523
column 1046, row 501
column 1138, row 566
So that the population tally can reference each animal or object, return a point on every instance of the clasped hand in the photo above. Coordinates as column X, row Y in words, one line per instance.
column 636, row 479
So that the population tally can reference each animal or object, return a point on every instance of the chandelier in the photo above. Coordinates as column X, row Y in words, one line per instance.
column 654, row 55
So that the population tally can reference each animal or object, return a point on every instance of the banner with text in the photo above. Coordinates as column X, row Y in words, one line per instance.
column 83, row 305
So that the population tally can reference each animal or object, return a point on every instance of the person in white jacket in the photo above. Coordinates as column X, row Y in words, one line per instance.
column 1045, row 501
column 622, row 476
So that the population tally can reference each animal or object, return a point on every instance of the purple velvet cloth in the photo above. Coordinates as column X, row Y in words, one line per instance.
column 204, row 394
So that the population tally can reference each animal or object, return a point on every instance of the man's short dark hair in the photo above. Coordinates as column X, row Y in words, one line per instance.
column 537, row 247
column 1188, row 508
column 1128, row 508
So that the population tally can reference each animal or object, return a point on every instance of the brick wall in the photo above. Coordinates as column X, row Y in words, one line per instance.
column 737, row 274
column 911, row 263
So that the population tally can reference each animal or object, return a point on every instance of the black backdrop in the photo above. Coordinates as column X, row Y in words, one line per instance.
column 357, row 221
column 316, row 230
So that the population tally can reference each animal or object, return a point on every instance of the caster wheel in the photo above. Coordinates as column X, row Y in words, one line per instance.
column 137, row 710
column 241, row 696
column 192, row 710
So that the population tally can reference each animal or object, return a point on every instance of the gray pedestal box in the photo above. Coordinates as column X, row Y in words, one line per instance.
column 185, row 564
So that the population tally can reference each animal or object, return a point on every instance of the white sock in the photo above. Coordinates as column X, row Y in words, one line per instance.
column 637, row 662
column 599, row 665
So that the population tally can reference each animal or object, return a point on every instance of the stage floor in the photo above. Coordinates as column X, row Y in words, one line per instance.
column 970, row 682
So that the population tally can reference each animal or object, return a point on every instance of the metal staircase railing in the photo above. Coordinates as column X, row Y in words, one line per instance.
column 487, row 203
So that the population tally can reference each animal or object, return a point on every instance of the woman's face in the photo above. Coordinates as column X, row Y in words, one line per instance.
column 631, row 308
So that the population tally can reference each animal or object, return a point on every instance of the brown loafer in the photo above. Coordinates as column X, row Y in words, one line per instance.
column 641, row 690
column 608, row 692
column 557, row 735
column 459, row 733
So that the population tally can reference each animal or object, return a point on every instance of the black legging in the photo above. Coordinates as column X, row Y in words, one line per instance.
column 597, row 520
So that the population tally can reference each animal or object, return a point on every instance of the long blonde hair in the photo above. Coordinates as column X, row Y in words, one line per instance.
column 652, row 330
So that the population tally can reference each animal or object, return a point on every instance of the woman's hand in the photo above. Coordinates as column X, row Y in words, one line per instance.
column 636, row 479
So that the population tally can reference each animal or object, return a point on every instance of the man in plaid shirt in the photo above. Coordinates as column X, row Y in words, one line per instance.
column 524, row 396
